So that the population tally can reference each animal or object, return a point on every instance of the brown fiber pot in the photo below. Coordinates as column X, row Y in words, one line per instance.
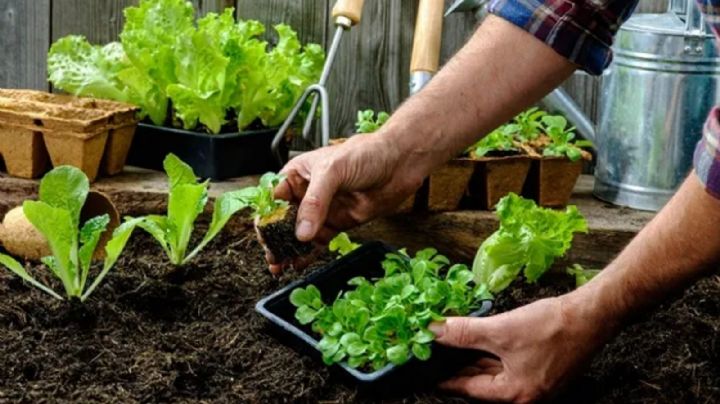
column 448, row 184
column 551, row 180
column 495, row 177
column 82, row 132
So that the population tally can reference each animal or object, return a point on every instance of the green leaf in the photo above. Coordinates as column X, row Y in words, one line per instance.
column 90, row 235
column 185, row 204
column 157, row 227
column 368, row 123
column 305, row 297
column 61, row 232
column 226, row 206
column 113, row 249
column 421, row 351
column 342, row 244
column 18, row 270
column 66, row 188
column 528, row 240
column 305, row 314
column 79, row 68
column 178, row 172
column 423, row 336
column 398, row 354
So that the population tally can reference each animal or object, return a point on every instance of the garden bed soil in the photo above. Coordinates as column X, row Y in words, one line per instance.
column 153, row 333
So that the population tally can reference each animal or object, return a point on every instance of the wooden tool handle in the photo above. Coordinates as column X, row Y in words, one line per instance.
column 350, row 9
column 428, row 36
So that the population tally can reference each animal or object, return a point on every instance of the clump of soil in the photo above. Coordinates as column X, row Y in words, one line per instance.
column 154, row 333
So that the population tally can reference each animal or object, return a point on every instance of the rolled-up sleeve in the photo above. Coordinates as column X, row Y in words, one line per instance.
column 580, row 30
column 707, row 157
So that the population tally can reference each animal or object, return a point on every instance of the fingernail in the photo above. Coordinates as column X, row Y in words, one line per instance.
column 437, row 328
column 304, row 230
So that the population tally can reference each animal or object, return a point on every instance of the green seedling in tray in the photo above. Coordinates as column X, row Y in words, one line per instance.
column 367, row 122
column 562, row 139
column 385, row 320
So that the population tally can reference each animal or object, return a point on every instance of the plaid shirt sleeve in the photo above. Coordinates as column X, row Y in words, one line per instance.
column 580, row 30
column 707, row 153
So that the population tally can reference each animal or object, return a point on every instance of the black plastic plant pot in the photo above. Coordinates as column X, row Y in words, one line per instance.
column 216, row 157
column 331, row 280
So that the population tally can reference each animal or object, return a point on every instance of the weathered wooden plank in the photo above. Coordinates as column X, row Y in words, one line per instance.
column 652, row 6
column 457, row 29
column 372, row 68
column 207, row 6
column 24, row 42
column 308, row 17
column 99, row 21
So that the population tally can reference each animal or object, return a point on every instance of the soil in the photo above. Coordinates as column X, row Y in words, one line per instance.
column 154, row 333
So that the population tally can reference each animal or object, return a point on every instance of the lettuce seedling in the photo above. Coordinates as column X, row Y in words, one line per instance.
column 562, row 141
column 274, row 220
column 342, row 245
column 186, row 201
column 582, row 275
column 56, row 215
column 501, row 139
column 368, row 123
column 385, row 320
column 527, row 125
column 528, row 241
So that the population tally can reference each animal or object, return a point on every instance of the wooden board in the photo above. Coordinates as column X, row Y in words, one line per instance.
column 457, row 234
column 24, row 42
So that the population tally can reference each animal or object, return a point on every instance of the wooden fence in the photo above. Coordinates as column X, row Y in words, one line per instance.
column 371, row 70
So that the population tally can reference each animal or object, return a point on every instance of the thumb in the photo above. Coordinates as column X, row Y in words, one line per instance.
column 315, row 204
column 467, row 332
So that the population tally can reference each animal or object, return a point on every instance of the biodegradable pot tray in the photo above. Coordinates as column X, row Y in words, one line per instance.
column 211, row 156
column 495, row 177
column 446, row 186
column 37, row 128
column 331, row 279
column 551, row 180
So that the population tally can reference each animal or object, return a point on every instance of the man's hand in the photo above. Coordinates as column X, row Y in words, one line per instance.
column 537, row 348
column 341, row 186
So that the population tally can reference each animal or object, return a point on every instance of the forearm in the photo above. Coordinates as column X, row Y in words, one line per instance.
column 677, row 247
column 501, row 71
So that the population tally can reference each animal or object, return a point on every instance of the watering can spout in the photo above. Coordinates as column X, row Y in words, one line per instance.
column 560, row 101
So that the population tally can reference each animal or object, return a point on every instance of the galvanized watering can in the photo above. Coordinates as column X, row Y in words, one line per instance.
column 654, row 100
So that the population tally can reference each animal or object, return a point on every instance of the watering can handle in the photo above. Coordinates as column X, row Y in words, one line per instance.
column 350, row 9
column 428, row 36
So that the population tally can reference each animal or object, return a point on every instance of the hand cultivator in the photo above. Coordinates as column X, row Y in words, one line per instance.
column 346, row 13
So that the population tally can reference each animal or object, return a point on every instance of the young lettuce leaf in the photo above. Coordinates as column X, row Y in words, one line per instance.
column 56, row 215
column 528, row 241
column 186, row 201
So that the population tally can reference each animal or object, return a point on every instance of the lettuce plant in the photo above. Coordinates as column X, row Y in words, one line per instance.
column 527, row 125
column 581, row 274
column 562, row 141
column 528, row 241
column 385, row 320
column 56, row 215
column 367, row 122
column 501, row 139
column 186, row 201
column 211, row 71
column 342, row 245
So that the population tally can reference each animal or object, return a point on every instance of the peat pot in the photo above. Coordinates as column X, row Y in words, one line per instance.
column 331, row 280
column 551, row 180
column 216, row 157
column 446, row 186
column 495, row 177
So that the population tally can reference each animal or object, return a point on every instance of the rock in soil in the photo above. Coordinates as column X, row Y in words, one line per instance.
column 154, row 333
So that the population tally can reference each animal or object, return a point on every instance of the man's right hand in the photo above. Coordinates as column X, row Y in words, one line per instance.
column 341, row 186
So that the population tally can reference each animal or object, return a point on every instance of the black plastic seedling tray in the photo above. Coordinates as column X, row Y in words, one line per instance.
column 215, row 157
column 331, row 280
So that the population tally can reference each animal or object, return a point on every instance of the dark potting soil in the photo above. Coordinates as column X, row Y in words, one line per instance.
column 152, row 333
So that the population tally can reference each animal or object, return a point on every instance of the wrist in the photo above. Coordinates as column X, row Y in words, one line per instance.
column 592, row 305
